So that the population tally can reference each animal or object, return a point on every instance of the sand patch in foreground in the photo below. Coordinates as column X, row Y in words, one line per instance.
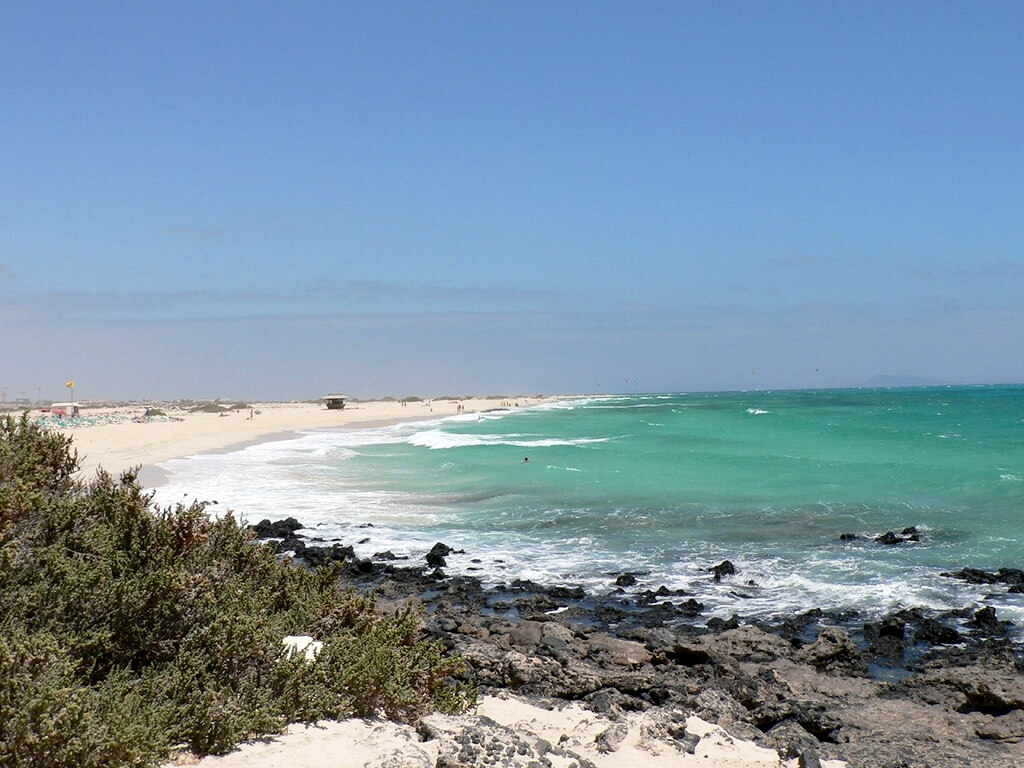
column 376, row 744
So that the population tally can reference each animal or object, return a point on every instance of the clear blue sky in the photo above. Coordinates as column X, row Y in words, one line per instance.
column 275, row 200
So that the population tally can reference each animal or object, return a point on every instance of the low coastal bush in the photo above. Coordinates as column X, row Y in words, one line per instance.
column 127, row 630
column 209, row 408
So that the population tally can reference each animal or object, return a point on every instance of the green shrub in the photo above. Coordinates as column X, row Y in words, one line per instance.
column 209, row 408
column 126, row 630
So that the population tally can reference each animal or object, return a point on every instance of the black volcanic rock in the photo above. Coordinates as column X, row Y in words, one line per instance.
column 724, row 568
column 1012, row 576
column 281, row 529
column 317, row 556
column 933, row 632
column 436, row 556
column 812, row 701
column 987, row 624
column 715, row 624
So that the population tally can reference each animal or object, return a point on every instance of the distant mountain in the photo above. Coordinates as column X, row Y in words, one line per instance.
column 890, row 380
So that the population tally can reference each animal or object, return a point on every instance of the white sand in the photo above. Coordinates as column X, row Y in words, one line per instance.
column 380, row 744
column 117, row 447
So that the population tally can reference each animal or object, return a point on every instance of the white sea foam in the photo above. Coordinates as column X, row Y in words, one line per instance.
column 437, row 439
column 331, row 481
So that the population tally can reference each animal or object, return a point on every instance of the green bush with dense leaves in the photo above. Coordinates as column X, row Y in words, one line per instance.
column 127, row 630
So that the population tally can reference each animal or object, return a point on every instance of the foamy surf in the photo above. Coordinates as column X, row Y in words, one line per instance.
column 604, row 493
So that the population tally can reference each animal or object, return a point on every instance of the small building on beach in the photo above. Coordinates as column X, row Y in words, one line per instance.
column 63, row 410
column 334, row 402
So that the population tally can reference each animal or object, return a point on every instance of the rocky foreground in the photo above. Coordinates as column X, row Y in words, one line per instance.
column 909, row 691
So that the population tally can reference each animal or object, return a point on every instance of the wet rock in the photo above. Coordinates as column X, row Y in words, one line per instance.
column 797, row 625
column 566, row 593
column 436, row 556
column 290, row 543
column 716, row 624
column 626, row 580
column 987, row 624
column 658, row 615
column 691, row 608
column 973, row 576
column 886, row 637
column 317, row 556
column 932, row 632
column 536, row 604
column 281, row 529
column 889, row 538
column 609, row 614
column 834, row 653
column 724, row 568
column 649, row 597
column 1011, row 576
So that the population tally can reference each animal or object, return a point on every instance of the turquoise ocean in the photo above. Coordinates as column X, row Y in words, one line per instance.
column 668, row 485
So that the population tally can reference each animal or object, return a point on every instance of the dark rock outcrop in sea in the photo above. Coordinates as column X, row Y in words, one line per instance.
column 907, row 534
column 910, row 689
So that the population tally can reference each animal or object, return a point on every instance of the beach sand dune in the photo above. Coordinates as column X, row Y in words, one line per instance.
column 575, row 734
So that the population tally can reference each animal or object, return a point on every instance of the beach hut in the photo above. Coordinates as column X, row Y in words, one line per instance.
column 334, row 402
column 64, row 409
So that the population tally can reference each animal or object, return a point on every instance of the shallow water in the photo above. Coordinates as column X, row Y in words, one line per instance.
column 669, row 485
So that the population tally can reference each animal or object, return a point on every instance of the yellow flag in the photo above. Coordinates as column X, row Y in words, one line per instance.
column 69, row 384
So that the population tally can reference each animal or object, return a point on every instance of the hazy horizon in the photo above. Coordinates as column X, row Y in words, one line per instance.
column 264, row 202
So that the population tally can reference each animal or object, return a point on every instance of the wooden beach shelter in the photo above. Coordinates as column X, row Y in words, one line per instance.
column 334, row 402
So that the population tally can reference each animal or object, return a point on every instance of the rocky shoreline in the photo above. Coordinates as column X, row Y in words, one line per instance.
column 912, row 689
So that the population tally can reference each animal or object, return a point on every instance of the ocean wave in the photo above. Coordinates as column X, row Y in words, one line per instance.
column 436, row 439
column 757, row 411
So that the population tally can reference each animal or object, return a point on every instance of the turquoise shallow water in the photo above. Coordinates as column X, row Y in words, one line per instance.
column 669, row 485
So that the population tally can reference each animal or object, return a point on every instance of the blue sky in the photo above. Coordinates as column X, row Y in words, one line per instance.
column 275, row 200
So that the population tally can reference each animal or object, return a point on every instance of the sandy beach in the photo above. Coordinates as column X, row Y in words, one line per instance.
column 117, row 443
column 110, row 439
